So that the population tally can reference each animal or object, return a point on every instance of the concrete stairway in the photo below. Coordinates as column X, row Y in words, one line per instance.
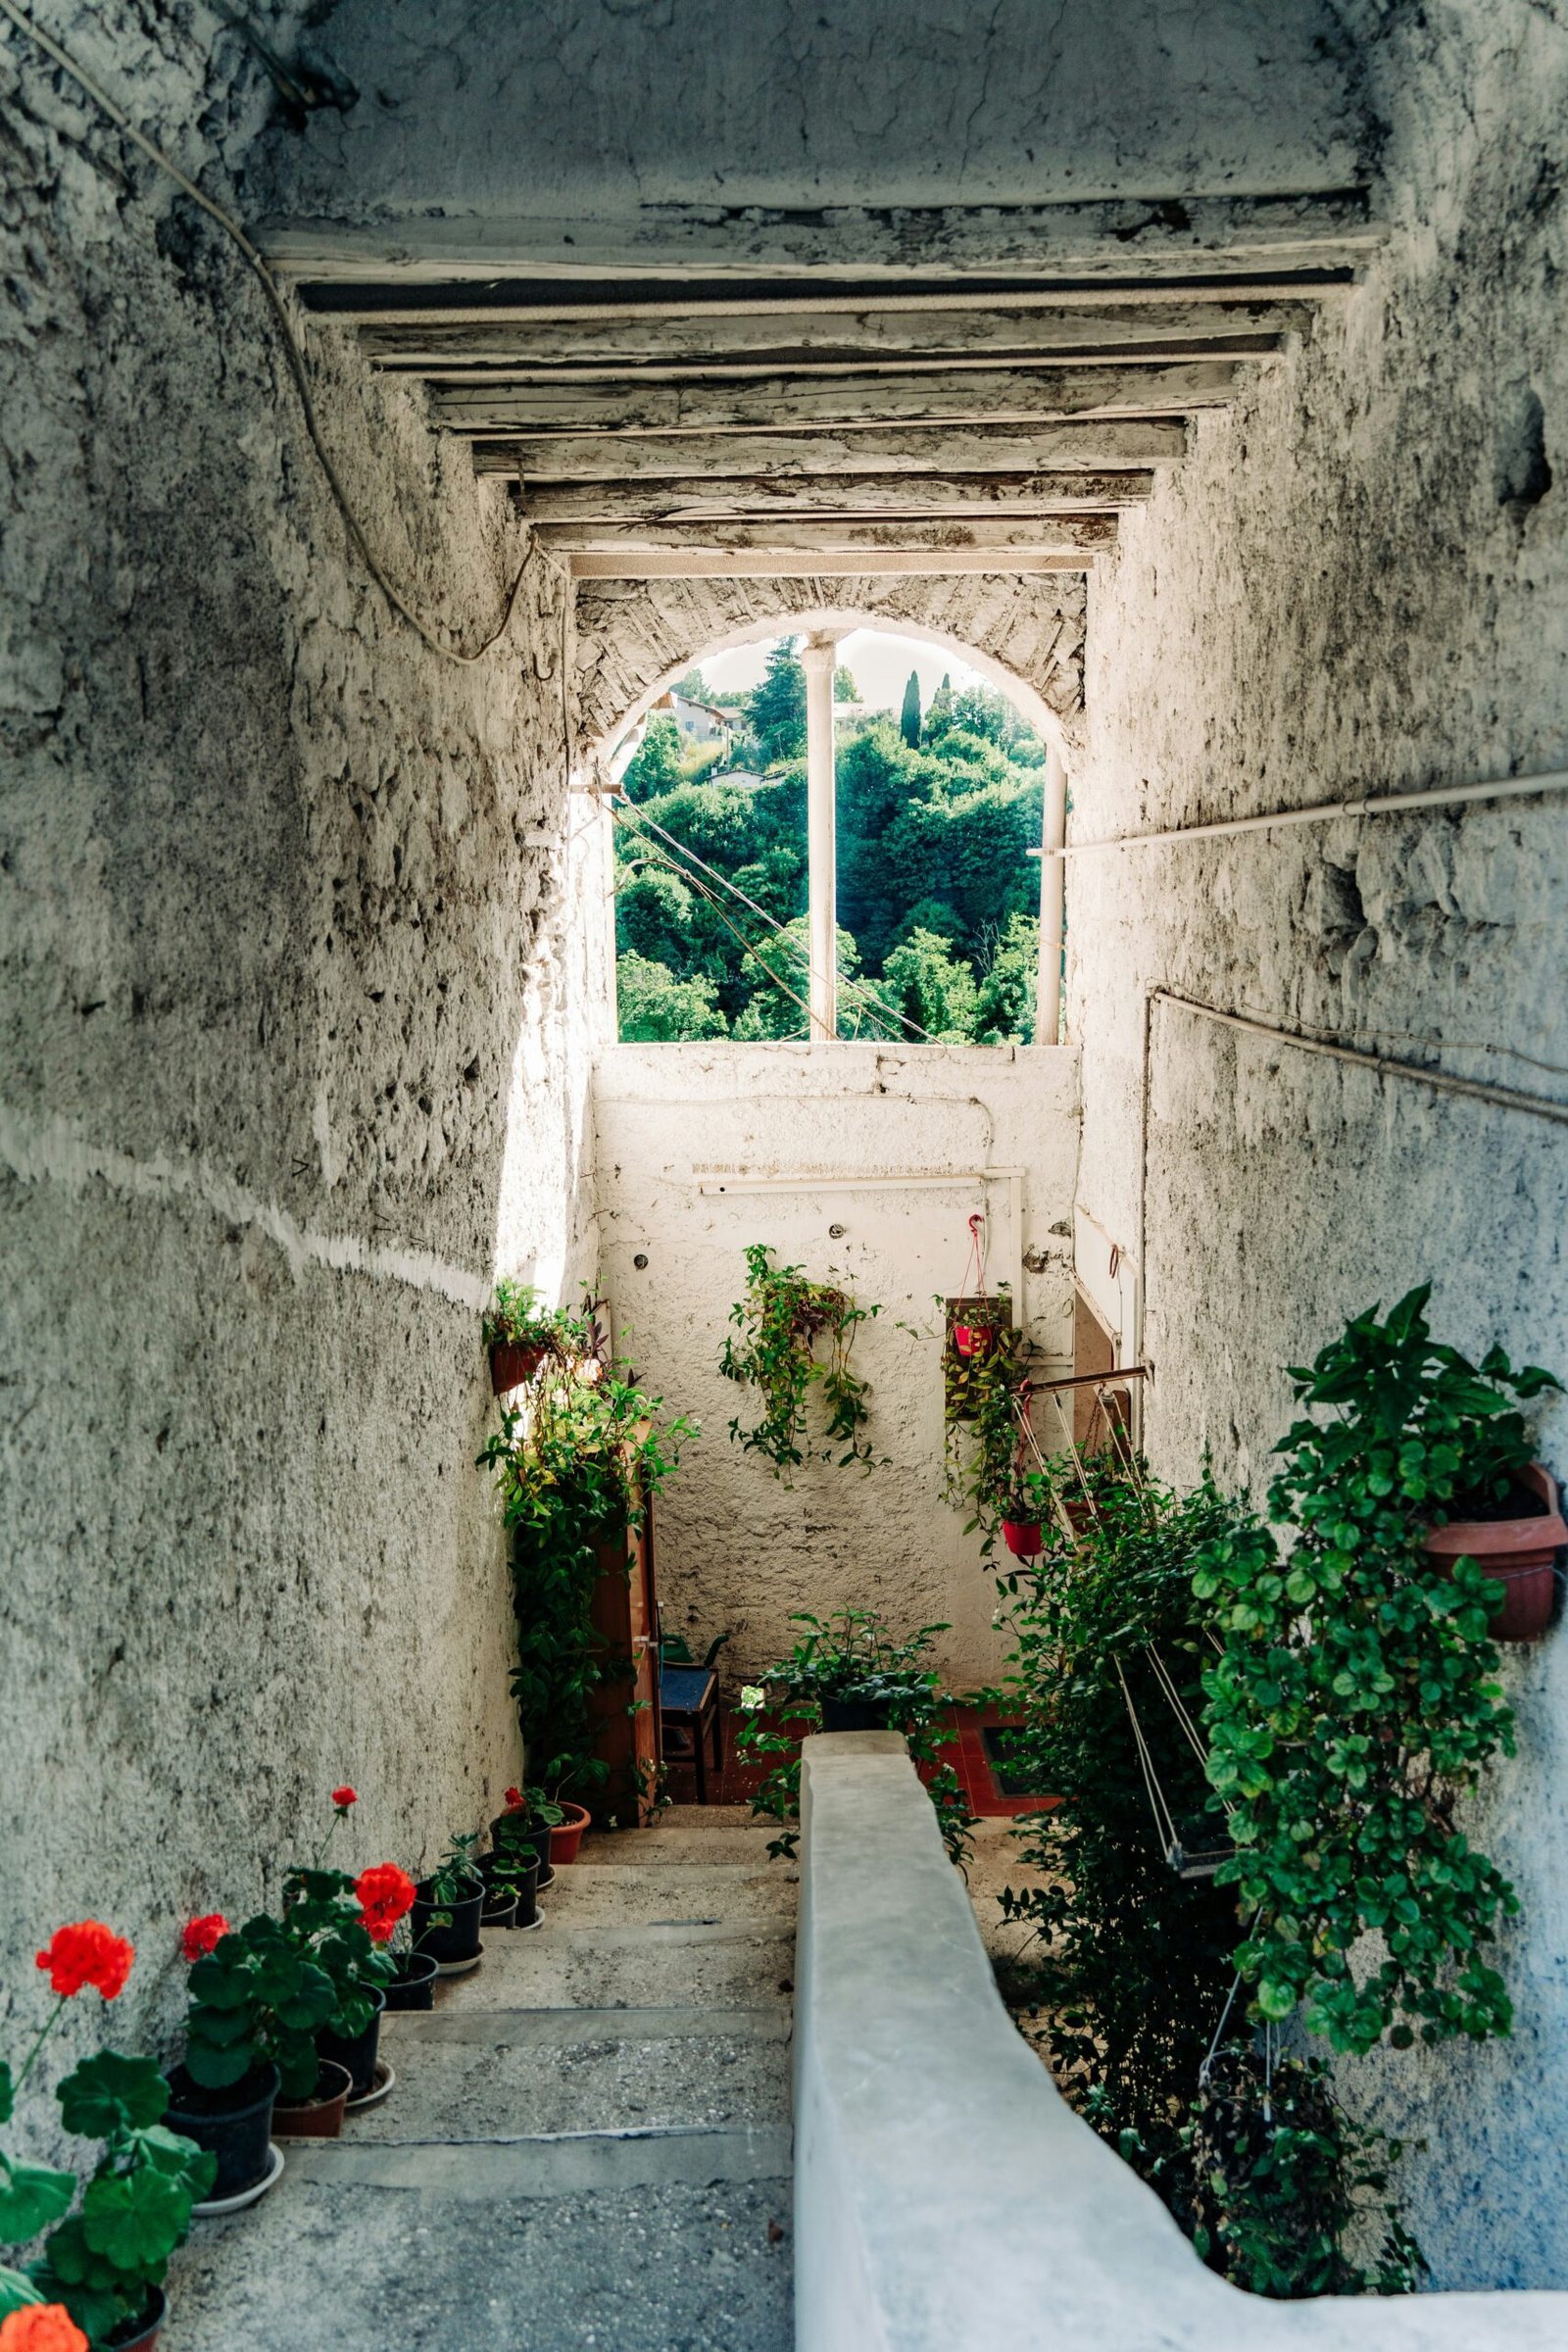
column 588, row 2143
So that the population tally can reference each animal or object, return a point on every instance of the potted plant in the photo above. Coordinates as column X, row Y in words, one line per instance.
column 1449, row 1438
column 521, row 1334
column 1022, row 1507
column 849, row 1673
column 783, row 1319
column 447, row 1908
column 986, row 1406
column 520, row 1838
column 104, row 2264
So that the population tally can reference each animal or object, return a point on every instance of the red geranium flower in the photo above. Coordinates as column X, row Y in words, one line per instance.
column 345, row 1797
column 203, row 1936
column 88, row 1953
column 42, row 2327
column 384, row 1893
column 513, row 1801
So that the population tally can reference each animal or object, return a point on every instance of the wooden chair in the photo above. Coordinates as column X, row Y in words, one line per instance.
column 688, row 1707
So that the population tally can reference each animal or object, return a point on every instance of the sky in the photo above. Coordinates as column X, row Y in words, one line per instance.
column 878, row 662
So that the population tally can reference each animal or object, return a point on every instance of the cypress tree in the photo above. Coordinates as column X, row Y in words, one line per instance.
column 910, row 715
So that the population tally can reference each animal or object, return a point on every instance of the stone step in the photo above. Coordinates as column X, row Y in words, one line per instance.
column 750, row 1963
column 566, row 2163
column 704, row 1833
column 618, row 1893
column 360, row 2268
column 497, row 2082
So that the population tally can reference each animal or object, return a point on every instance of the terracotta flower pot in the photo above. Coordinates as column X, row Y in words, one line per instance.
column 1516, row 1553
column 319, row 2117
column 567, row 1837
column 513, row 1361
column 1022, row 1538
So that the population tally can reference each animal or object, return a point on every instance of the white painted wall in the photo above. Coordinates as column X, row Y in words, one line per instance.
column 736, row 1548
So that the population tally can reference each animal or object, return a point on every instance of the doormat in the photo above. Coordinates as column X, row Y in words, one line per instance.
column 1012, row 1781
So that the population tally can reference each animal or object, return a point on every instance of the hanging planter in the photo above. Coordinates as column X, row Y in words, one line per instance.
column 1518, row 1553
column 513, row 1362
column 783, row 1319
column 970, row 1340
column 1023, row 1537
column 522, row 1335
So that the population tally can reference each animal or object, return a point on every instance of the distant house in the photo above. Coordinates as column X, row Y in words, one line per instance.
column 697, row 722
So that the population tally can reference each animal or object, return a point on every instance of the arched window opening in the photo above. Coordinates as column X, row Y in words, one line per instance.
column 912, row 845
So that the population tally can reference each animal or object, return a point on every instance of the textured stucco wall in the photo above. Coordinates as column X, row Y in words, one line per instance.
column 736, row 1548
column 295, row 1054
column 1358, row 583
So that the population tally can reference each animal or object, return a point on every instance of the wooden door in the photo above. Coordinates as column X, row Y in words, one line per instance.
column 625, row 1705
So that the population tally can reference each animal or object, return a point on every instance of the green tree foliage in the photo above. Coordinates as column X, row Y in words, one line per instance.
column 655, row 765
column 845, row 690
column 910, row 715
column 931, row 840
column 656, row 1008
column 776, row 709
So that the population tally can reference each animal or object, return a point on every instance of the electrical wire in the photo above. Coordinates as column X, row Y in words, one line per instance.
column 865, row 999
column 292, row 352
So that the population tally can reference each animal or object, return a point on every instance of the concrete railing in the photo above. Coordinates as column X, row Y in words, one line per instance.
column 946, row 2197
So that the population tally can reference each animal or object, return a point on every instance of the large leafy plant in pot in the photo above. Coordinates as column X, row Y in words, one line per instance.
column 574, row 1472
column 1356, row 1701
column 850, row 1672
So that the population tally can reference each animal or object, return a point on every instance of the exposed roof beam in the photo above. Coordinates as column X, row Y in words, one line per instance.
column 787, row 402
column 932, row 336
column 830, row 564
column 932, row 449
column 1078, row 535
column 697, row 498
column 1097, row 238
column 653, row 302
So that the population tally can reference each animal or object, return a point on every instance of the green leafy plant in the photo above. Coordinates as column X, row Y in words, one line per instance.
column 852, row 1656
column 517, row 1318
column 1356, row 1700
column 986, row 1401
column 782, row 1321
column 104, row 2261
column 574, row 1474
column 1124, row 1981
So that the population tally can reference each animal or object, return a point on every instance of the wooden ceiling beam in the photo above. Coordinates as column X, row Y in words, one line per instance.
column 782, row 403
column 697, row 498
column 707, row 342
column 938, row 450
column 828, row 564
column 1056, row 535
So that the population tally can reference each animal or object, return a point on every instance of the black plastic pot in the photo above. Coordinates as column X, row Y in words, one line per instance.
column 234, row 2124
column 358, row 2052
column 460, row 1938
column 855, row 1714
column 414, row 1987
column 499, row 1911
column 140, row 2336
column 523, row 1876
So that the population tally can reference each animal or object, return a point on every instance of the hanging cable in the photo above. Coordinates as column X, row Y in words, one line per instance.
column 651, row 858
column 292, row 352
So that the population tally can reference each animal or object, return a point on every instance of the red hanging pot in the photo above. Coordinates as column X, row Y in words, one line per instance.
column 973, row 1338
column 1516, row 1553
column 1023, row 1537
column 513, row 1361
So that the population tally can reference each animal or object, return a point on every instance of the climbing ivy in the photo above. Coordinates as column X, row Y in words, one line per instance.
column 1356, row 1700
column 782, row 1321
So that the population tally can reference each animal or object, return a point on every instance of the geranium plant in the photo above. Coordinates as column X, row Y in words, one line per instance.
column 783, row 1321
column 260, row 1993
column 101, row 2262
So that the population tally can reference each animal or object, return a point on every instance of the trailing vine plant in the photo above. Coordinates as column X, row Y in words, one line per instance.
column 574, row 1470
column 983, row 1393
column 1356, row 1700
column 853, row 1657
column 782, row 1322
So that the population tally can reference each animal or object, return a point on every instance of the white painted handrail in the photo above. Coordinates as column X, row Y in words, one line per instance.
column 947, row 2199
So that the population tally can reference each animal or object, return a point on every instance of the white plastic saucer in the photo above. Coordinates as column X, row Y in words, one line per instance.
column 384, row 2080
column 460, row 1968
column 247, row 2196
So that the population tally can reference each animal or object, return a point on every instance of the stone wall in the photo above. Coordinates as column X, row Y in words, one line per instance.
column 737, row 1549
column 296, row 1047
column 1359, row 584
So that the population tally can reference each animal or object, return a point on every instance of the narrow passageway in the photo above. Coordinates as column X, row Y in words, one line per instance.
column 588, row 2142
